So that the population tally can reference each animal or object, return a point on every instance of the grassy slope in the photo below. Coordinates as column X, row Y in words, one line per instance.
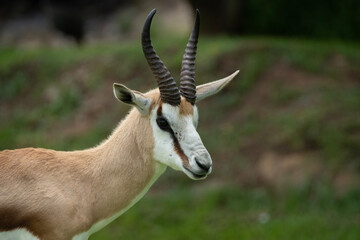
column 291, row 97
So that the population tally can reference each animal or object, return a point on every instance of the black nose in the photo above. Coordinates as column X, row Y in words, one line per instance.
column 204, row 167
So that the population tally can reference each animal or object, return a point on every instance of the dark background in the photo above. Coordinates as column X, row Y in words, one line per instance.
column 330, row 19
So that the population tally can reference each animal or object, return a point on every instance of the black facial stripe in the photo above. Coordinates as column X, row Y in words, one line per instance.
column 169, row 130
column 177, row 146
column 178, row 149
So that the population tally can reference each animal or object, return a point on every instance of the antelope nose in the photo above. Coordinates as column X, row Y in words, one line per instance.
column 203, row 166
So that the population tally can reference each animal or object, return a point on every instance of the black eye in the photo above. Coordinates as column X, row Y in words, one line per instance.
column 162, row 123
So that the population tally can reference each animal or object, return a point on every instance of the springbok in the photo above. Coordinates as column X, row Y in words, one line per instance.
column 58, row 195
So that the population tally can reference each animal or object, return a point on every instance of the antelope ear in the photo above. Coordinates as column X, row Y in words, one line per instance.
column 208, row 89
column 132, row 97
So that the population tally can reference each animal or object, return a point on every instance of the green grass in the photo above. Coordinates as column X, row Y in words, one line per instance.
column 45, row 91
column 232, row 213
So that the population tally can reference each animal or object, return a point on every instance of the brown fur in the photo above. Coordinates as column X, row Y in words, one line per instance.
column 181, row 153
column 186, row 108
column 56, row 195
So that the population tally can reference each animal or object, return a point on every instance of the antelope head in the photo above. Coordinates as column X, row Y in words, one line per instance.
column 173, row 114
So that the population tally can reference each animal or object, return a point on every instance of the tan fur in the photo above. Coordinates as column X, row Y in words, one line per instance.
column 56, row 195
column 186, row 108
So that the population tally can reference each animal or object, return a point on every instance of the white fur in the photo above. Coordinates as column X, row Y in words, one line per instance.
column 18, row 234
column 164, row 149
column 184, row 128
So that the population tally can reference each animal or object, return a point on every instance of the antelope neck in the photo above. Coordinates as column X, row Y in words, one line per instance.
column 124, row 167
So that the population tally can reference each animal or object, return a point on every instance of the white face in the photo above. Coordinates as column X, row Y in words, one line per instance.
column 177, row 143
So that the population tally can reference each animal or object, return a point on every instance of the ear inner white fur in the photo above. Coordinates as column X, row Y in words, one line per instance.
column 211, row 88
column 132, row 97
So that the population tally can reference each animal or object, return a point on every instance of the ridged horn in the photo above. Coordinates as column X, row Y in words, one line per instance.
column 187, row 75
column 169, row 92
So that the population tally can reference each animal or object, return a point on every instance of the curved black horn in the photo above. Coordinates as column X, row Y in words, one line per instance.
column 169, row 92
column 187, row 75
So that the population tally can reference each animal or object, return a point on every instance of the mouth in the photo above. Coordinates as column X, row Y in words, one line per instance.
column 195, row 176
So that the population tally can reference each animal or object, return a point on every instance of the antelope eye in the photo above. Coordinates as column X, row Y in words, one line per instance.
column 162, row 123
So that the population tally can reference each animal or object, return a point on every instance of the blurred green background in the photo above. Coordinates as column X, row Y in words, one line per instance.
column 284, row 135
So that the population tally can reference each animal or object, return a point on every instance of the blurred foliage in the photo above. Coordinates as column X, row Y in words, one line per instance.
column 312, row 19
column 320, row 19
column 291, row 96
